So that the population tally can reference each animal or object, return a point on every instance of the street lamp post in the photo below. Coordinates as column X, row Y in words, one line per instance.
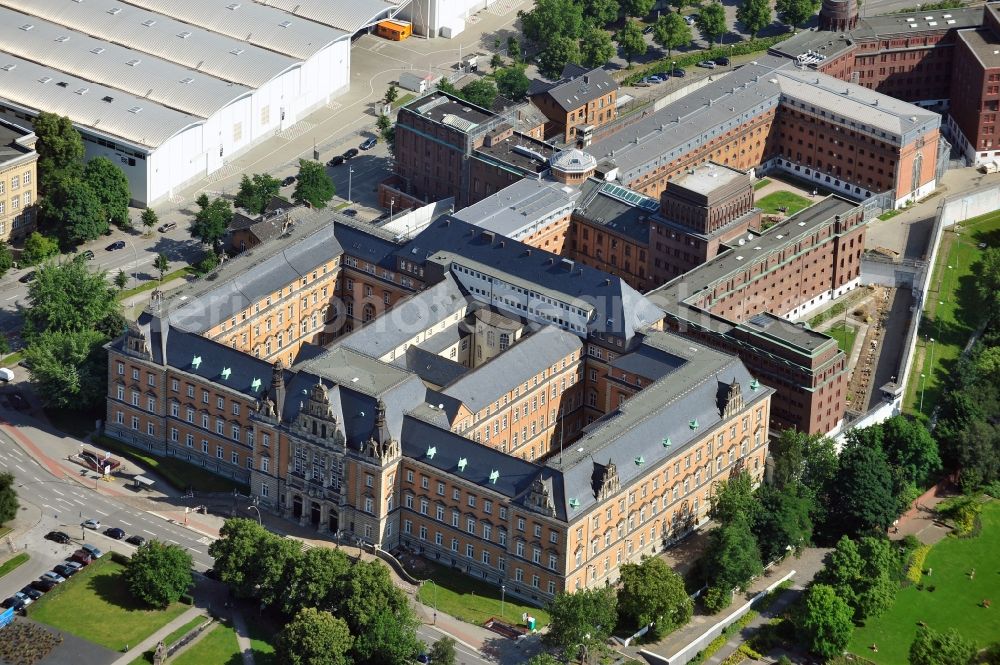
column 922, row 377
column 350, row 172
column 503, row 597
column 135, row 267
column 255, row 508
column 392, row 202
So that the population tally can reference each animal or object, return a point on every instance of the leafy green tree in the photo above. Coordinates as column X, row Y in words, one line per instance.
column 442, row 652
column 391, row 94
column 558, row 52
column 825, row 623
column 631, row 41
column 314, row 637
column 71, row 206
column 862, row 499
column 543, row 659
column 209, row 262
column 37, row 248
column 69, row 369
column 6, row 258
column 637, row 8
column 480, row 92
column 512, row 82
column 389, row 638
column 256, row 192
column 60, row 147
column 712, row 22
column 930, row 647
column 159, row 573
column 551, row 20
column 582, row 620
column 732, row 558
column 784, row 519
column 162, row 264
column 843, row 570
column 651, row 594
column 795, row 13
column 69, row 298
column 911, row 448
column 514, row 49
column 314, row 185
column 202, row 201
column 988, row 279
column 8, row 498
column 109, row 184
column 596, row 47
column 236, row 554
column 681, row 4
column 755, row 15
column 734, row 499
column 211, row 222
column 444, row 85
column 876, row 590
column 601, row 12
column 496, row 62
column 312, row 578
column 149, row 218
column 671, row 31
column 121, row 280
column 276, row 556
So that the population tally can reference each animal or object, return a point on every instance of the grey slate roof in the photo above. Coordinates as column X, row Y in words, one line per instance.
column 527, row 357
column 432, row 368
column 577, row 87
column 617, row 308
column 612, row 213
column 522, row 208
column 648, row 361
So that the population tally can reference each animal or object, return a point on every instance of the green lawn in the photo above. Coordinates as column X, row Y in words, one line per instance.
column 217, row 647
column 95, row 605
column 261, row 637
column 955, row 603
column 471, row 600
column 12, row 359
column 176, row 472
column 13, row 563
column 775, row 200
column 147, row 657
column 155, row 283
column 952, row 308
column 403, row 99
column 760, row 184
column 845, row 334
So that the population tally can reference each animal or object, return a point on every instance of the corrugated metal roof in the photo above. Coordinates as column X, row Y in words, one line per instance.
column 140, row 121
column 108, row 64
column 267, row 27
column 350, row 16
column 164, row 37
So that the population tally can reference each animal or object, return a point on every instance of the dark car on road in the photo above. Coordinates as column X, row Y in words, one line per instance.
column 43, row 585
column 115, row 532
column 723, row 61
column 353, row 152
column 678, row 72
column 289, row 180
column 86, row 255
column 336, row 161
column 27, row 277
column 116, row 245
column 369, row 143
column 64, row 570
column 34, row 594
column 169, row 226
column 58, row 536
column 138, row 541
column 14, row 603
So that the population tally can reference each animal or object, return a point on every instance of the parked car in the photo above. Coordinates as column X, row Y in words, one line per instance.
column 6, row 375
column 92, row 550
column 81, row 556
column 289, row 180
column 92, row 524
column 369, row 143
column 73, row 565
column 27, row 277
column 707, row 64
column 52, row 577
column 24, row 598
column 58, row 536
column 86, row 255
column 18, row 401
column 679, row 73
column 691, row 19
column 351, row 212
column 663, row 75
column 353, row 152
column 169, row 226
column 336, row 161
column 654, row 79
column 65, row 570
column 115, row 532
column 648, row 29
column 31, row 592
column 43, row 585
column 14, row 603
column 116, row 245
column 138, row 541
column 722, row 62
column 212, row 574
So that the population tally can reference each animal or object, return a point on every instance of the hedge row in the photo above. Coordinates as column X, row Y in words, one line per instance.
column 690, row 59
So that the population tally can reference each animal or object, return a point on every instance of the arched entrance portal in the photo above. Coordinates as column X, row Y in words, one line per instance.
column 314, row 513
column 297, row 507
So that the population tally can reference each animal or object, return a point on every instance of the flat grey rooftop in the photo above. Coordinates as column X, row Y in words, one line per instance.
column 708, row 177
column 438, row 107
column 984, row 44
column 518, row 210
column 355, row 370
column 782, row 330
column 9, row 149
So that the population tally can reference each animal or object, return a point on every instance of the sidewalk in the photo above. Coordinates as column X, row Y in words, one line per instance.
column 149, row 644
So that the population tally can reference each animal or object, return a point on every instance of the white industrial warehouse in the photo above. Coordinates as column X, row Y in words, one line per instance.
column 172, row 90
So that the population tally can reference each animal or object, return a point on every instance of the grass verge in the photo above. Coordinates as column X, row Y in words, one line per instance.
column 952, row 309
column 13, row 563
column 955, row 601
column 403, row 99
column 761, row 184
column 147, row 656
column 217, row 647
column 153, row 283
column 845, row 334
column 178, row 473
column 13, row 359
column 889, row 214
column 471, row 600
column 773, row 202
column 95, row 605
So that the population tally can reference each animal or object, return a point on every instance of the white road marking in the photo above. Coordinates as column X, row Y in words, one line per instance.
column 36, row 478
column 125, row 523
column 45, row 505
column 100, row 512
column 149, row 532
column 172, row 541
column 79, row 502
column 20, row 468
column 58, row 492
column 11, row 298
column 4, row 464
